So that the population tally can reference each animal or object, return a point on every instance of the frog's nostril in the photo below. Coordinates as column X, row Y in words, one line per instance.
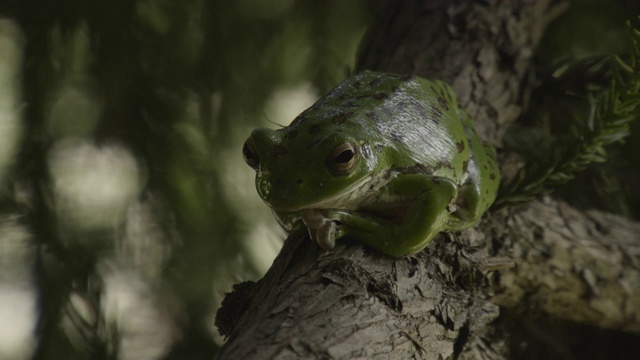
column 298, row 181
column 279, row 183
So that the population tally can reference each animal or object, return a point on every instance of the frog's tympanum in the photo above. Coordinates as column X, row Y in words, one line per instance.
column 383, row 159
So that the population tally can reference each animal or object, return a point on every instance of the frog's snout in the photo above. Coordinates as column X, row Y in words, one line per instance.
column 250, row 154
column 280, row 183
column 273, row 189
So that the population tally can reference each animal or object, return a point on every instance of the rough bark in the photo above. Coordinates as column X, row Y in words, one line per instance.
column 440, row 303
column 580, row 266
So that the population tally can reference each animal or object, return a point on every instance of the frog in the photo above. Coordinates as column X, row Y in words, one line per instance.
column 388, row 160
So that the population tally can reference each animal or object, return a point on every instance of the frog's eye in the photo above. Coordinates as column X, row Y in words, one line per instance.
column 250, row 155
column 343, row 158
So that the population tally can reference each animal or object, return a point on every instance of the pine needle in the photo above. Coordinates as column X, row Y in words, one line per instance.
column 611, row 112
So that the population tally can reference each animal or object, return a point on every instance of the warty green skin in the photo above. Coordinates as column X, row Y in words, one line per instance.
column 419, row 166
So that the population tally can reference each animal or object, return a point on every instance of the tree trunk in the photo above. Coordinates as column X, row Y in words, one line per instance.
column 543, row 257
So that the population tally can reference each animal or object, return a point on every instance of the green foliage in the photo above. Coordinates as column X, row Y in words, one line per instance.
column 611, row 110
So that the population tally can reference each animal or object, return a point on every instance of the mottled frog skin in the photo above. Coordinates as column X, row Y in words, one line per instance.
column 387, row 160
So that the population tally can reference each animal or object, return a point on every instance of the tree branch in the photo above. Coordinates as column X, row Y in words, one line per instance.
column 354, row 303
column 580, row 266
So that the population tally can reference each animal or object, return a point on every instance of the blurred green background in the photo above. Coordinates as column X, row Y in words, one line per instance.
column 127, row 209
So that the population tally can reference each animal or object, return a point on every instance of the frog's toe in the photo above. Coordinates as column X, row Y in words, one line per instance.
column 340, row 231
column 313, row 234
column 326, row 236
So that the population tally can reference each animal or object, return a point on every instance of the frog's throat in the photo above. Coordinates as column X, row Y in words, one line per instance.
column 351, row 197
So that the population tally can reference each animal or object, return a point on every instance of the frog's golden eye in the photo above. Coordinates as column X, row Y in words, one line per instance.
column 343, row 158
column 250, row 155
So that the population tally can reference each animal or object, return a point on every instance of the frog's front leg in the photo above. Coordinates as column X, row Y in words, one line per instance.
column 429, row 199
column 322, row 229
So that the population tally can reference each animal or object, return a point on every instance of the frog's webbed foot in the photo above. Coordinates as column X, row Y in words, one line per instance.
column 322, row 229
column 325, row 236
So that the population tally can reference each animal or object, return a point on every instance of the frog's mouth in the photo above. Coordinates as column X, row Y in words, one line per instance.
column 350, row 198
column 390, row 212
column 356, row 199
column 324, row 229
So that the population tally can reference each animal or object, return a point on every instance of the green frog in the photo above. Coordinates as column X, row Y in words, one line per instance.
column 388, row 160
